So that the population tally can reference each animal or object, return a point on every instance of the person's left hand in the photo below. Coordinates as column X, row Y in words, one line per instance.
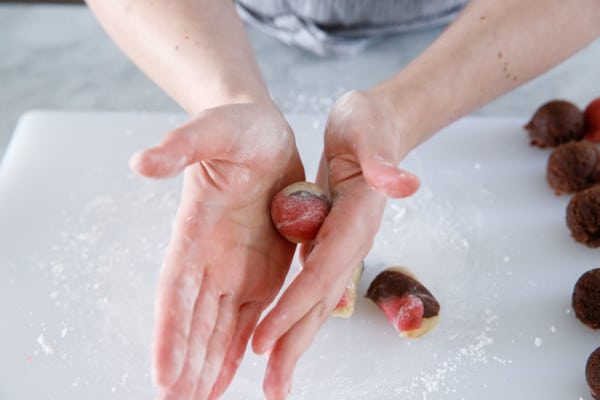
column 363, row 144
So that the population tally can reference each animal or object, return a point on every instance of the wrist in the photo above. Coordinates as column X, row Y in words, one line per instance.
column 200, row 100
column 408, row 109
column 424, row 98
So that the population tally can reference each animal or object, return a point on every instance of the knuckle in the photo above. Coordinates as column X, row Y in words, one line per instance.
column 321, row 310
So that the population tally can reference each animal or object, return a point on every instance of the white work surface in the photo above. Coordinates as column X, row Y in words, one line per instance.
column 81, row 241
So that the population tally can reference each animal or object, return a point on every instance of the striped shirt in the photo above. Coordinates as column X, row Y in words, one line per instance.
column 344, row 26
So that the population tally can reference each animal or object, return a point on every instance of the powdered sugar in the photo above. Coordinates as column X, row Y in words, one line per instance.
column 103, row 272
column 46, row 347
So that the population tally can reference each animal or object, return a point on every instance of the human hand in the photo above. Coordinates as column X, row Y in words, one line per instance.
column 225, row 262
column 363, row 144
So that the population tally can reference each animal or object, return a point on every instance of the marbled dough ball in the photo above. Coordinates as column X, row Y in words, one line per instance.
column 298, row 211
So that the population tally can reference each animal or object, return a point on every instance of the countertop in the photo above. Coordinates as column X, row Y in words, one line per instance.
column 78, row 271
column 58, row 57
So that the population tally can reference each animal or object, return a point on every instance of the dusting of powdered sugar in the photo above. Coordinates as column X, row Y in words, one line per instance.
column 46, row 347
column 364, row 357
column 109, row 248
column 103, row 271
column 429, row 237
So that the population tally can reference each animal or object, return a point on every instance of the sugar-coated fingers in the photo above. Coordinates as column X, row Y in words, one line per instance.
column 174, row 311
column 205, row 316
column 178, row 289
column 288, row 350
column 216, row 346
column 246, row 322
column 183, row 146
column 342, row 243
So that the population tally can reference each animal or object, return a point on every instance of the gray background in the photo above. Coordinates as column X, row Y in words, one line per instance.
column 58, row 57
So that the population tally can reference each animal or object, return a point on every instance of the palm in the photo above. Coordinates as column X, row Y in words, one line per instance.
column 363, row 145
column 226, row 262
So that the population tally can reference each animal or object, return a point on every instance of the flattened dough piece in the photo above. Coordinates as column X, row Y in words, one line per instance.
column 406, row 302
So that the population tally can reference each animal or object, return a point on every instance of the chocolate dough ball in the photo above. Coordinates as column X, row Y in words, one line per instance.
column 586, row 298
column 583, row 216
column 573, row 166
column 554, row 123
column 592, row 373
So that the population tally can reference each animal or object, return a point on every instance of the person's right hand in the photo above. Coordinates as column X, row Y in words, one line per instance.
column 225, row 262
column 365, row 140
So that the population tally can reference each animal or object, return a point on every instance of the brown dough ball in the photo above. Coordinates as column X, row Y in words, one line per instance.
column 586, row 298
column 592, row 373
column 554, row 123
column 573, row 166
column 583, row 216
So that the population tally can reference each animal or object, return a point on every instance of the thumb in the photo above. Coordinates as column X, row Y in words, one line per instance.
column 162, row 161
column 186, row 145
column 158, row 162
column 384, row 177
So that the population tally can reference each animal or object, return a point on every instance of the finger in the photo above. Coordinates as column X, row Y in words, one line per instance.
column 389, row 180
column 323, row 182
column 287, row 352
column 174, row 309
column 322, row 175
column 342, row 242
column 204, row 319
column 177, row 296
column 218, row 344
column 378, row 159
column 304, row 251
column 199, row 139
column 308, row 290
column 247, row 320
column 383, row 177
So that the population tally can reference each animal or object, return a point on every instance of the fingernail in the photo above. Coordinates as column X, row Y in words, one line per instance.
column 395, row 182
column 391, row 176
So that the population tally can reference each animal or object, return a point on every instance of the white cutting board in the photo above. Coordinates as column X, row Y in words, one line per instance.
column 81, row 241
